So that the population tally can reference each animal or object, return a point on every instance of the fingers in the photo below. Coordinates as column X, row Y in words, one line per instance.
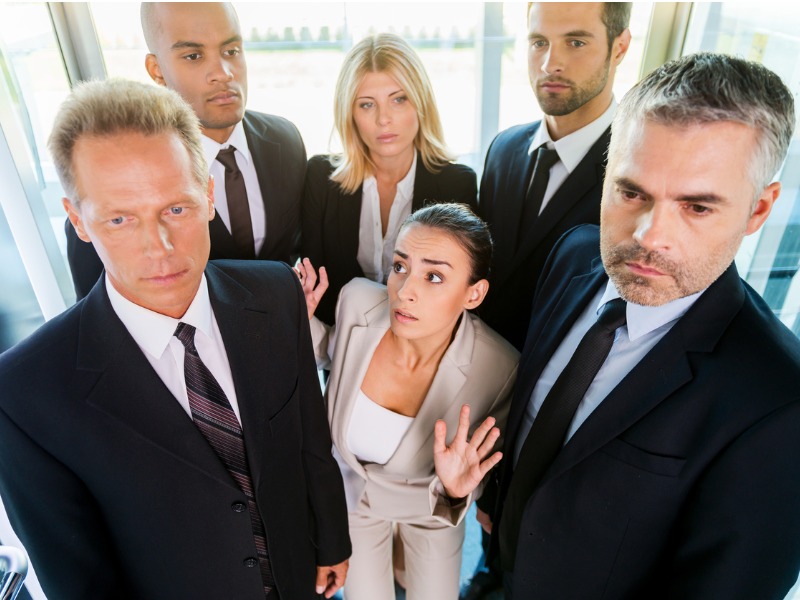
column 463, row 424
column 487, row 444
column 481, row 433
column 322, row 579
column 439, row 437
column 322, row 286
column 488, row 464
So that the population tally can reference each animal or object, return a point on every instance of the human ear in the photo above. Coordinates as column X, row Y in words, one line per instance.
column 74, row 216
column 763, row 207
column 476, row 293
column 154, row 69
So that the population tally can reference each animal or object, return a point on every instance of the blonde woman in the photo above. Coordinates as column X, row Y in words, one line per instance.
column 394, row 161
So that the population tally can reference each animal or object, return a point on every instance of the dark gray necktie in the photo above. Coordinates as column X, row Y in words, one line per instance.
column 545, row 159
column 214, row 417
column 238, row 208
column 550, row 426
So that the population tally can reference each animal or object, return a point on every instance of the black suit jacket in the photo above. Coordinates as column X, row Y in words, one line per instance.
column 518, row 259
column 331, row 218
column 114, row 491
column 279, row 157
column 685, row 481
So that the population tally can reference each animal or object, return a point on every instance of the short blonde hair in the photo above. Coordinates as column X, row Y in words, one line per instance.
column 384, row 53
column 113, row 106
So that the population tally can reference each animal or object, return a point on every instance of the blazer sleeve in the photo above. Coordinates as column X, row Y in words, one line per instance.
column 46, row 525
column 324, row 480
column 315, row 198
column 464, row 186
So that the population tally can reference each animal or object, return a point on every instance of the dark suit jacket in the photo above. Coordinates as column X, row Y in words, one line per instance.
column 516, row 267
column 279, row 157
column 331, row 218
column 685, row 481
column 117, row 495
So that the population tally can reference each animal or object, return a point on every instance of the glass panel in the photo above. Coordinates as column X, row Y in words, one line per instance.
column 768, row 260
column 38, row 83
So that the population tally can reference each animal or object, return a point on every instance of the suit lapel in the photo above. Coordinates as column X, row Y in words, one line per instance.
column 349, row 225
column 665, row 369
column 586, row 176
column 426, row 188
column 570, row 304
column 120, row 382
column 265, row 153
column 508, row 213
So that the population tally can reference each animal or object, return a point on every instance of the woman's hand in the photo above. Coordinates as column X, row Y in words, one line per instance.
column 308, row 279
column 462, row 465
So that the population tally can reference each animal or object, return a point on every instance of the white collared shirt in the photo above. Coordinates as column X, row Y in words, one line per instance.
column 376, row 251
column 244, row 161
column 154, row 334
column 571, row 148
column 645, row 327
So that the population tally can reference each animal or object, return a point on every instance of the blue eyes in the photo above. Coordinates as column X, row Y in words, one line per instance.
column 176, row 210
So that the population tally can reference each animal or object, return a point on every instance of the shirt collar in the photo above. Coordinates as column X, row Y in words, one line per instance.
column 237, row 139
column 573, row 147
column 405, row 187
column 641, row 320
column 152, row 331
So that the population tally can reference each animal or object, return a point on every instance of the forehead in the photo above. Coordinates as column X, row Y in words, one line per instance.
column 200, row 22
column 425, row 242
column 681, row 160
column 378, row 80
column 561, row 18
column 131, row 166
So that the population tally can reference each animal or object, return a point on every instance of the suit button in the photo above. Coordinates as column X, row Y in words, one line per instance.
column 250, row 562
column 239, row 507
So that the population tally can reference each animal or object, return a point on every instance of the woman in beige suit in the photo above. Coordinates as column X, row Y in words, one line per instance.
column 404, row 356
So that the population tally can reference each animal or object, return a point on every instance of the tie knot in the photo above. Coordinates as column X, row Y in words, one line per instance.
column 612, row 315
column 185, row 333
column 546, row 158
column 227, row 158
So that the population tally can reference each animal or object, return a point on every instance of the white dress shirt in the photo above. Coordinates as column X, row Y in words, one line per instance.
column 154, row 333
column 645, row 327
column 244, row 161
column 571, row 148
column 376, row 251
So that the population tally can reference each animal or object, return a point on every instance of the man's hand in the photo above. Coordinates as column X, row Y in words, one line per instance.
column 462, row 465
column 484, row 519
column 308, row 279
column 330, row 579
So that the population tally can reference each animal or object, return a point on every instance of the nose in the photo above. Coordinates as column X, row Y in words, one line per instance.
column 655, row 227
column 553, row 62
column 220, row 70
column 156, row 241
column 382, row 116
column 407, row 292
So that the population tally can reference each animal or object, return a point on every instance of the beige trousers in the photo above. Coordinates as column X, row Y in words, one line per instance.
column 431, row 551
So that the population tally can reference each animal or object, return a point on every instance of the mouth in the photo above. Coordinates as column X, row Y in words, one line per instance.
column 643, row 270
column 554, row 87
column 402, row 316
column 387, row 138
column 167, row 279
column 224, row 97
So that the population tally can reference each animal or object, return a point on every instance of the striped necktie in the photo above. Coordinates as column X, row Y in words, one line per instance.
column 214, row 417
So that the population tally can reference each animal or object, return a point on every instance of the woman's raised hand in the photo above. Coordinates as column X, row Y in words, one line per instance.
column 463, row 464
column 308, row 279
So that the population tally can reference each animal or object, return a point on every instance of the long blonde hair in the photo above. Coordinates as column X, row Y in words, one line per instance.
column 384, row 53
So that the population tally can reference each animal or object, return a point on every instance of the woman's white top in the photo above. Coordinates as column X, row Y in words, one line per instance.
column 375, row 251
column 375, row 432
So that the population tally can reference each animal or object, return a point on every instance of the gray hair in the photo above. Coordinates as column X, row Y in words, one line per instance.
column 114, row 106
column 706, row 88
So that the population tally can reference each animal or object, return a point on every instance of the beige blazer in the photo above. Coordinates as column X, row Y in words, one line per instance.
column 479, row 368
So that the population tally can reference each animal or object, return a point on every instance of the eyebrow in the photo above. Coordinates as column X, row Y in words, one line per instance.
column 427, row 261
column 576, row 33
column 400, row 91
column 181, row 44
column 704, row 198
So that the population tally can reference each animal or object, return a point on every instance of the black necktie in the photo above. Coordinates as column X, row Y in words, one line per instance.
column 238, row 208
column 550, row 426
column 214, row 417
column 545, row 159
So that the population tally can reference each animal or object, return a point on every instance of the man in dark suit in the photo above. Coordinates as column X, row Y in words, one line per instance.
column 574, row 51
column 196, row 49
column 166, row 437
column 572, row 59
column 669, row 469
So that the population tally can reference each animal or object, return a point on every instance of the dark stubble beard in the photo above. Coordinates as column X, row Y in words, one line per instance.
column 558, row 105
